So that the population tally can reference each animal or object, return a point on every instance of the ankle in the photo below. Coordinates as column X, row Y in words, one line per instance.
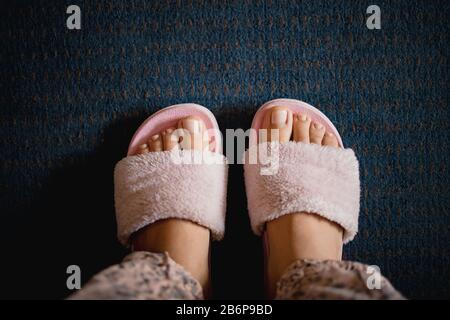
column 300, row 236
column 186, row 243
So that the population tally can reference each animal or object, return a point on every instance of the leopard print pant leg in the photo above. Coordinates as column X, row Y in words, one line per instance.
column 142, row 276
column 340, row 280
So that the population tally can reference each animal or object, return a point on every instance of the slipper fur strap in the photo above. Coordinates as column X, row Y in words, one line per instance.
column 153, row 186
column 306, row 178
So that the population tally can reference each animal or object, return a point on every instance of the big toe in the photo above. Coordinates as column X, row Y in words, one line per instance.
column 277, row 125
column 192, row 135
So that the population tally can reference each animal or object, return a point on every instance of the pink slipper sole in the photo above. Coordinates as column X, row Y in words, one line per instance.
column 153, row 186
column 308, row 177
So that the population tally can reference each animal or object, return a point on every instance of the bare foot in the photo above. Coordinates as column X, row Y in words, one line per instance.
column 298, row 235
column 186, row 242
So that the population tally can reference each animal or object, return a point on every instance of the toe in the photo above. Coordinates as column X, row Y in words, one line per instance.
column 330, row 140
column 301, row 128
column 155, row 143
column 143, row 148
column 316, row 132
column 206, row 142
column 278, row 125
column 170, row 139
column 193, row 133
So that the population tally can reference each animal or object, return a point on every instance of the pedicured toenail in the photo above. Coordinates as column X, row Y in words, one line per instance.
column 279, row 117
column 191, row 125
column 155, row 137
column 318, row 126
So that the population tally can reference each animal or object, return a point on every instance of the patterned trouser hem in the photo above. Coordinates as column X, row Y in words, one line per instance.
column 155, row 276
column 333, row 280
column 142, row 276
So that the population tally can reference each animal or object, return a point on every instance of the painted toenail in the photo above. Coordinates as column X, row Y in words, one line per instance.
column 279, row 116
column 318, row 126
column 191, row 125
column 155, row 137
column 304, row 117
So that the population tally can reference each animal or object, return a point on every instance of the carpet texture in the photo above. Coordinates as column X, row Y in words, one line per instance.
column 71, row 100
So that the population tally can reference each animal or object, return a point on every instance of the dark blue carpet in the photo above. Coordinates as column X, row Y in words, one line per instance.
column 71, row 100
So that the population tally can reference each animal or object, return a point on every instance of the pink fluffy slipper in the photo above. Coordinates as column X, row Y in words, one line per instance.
column 160, row 185
column 308, row 178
